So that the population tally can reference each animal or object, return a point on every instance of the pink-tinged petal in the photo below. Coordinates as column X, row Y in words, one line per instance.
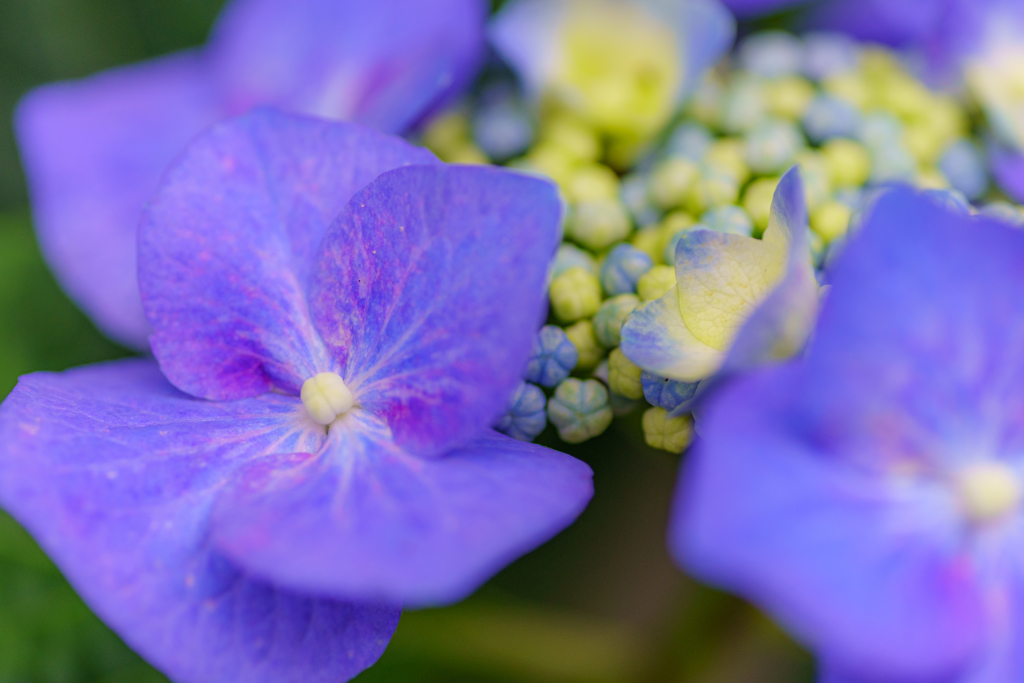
column 865, row 567
column 93, row 151
column 383, row 64
column 428, row 290
column 114, row 472
column 367, row 519
column 227, row 246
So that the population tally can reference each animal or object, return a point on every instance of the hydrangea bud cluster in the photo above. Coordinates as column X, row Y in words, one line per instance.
column 851, row 117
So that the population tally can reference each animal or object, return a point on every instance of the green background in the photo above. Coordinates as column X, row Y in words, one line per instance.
column 602, row 602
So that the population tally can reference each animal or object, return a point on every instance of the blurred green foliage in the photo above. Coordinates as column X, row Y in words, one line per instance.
column 601, row 603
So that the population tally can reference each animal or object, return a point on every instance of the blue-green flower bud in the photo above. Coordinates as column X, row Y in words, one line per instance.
column 772, row 146
column 609, row 318
column 570, row 256
column 526, row 416
column 553, row 357
column 666, row 393
column 623, row 268
column 579, row 409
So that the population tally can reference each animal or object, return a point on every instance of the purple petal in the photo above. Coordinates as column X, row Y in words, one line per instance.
column 922, row 332
column 885, row 21
column 115, row 472
column 1008, row 168
column 871, row 574
column 93, row 151
column 382, row 63
column 373, row 521
column 428, row 291
column 752, row 8
column 227, row 246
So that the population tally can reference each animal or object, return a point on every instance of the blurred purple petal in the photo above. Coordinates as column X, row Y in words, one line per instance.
column 1008, row 169
column 93, row 151
column 893, row 22
column 226, row 249
column 865, row 573
column 428, row 290
column 368, row 519
column 754, row 8
column 382, row 64
column 114, row 472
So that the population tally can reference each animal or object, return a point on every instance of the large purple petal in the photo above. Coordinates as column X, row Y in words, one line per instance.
column 227, row 247
column 114, row 472
column 895, row 23
column 922, row 333
column 753, row 8
column 868, row 570
column 428, row 292
column 1008, row 168
column 368, row 519
column 382, row 63
column 93, row 151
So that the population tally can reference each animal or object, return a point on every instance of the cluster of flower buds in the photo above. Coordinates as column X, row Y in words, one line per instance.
column 850, row 117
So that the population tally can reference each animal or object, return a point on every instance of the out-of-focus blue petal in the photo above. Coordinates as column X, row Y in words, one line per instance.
column 114, row 472
column 93, row 151
column 226, row 248
column 369, row 520
column 706, row 31
column 382, row 64
column 927, row 328
column 1007, row 167
column 882, row 21
column 871, row 576
column 752, row 8
column 427, row 291
column 655, row 337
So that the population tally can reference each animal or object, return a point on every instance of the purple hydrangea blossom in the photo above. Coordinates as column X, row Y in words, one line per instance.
column 94, row 149
column 337, row 319
column 869, row 493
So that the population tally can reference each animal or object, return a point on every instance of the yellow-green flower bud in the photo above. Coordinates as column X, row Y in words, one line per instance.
column 551, row 161
column 656, row 283
column 757, row 201
column 588, row 348
column 623, row 376
column 851, row 87
column 848, row 162
column 830, row 220
column 599, row 223
column 591, row 181
column 575, row 294
column 667, row 433
column 447, row 132
column 671, row 181
column 788, row 97
column 574, row 138
column 729, row 155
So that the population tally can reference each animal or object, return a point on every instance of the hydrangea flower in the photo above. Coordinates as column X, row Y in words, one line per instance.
column 310, row 448
column 869, row 493
column 94, row 149
column 621, row 65
column 737, row 300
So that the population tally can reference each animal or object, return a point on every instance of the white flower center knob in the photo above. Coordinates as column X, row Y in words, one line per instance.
column 326, row 397
column 988, row 490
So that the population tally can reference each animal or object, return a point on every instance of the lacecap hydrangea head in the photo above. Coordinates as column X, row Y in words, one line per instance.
column 737, row 300
column 337, row 320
